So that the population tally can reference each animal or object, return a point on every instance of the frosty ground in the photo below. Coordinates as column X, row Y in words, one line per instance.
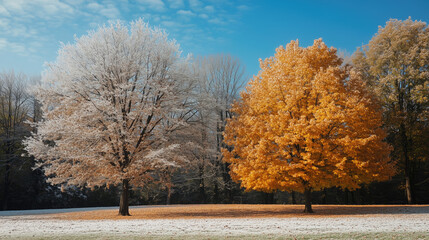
column 220, row 222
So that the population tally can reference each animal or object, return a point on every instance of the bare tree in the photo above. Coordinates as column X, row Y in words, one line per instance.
column 221, row 78
column 14, row 108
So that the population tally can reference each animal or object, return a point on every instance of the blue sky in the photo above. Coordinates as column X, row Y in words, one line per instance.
column 31, row 30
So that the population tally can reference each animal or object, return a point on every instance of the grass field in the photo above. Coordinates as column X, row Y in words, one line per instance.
column 225, row 222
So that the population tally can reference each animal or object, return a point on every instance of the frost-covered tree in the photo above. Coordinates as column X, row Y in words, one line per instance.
column 220, row 79
column 109, row 103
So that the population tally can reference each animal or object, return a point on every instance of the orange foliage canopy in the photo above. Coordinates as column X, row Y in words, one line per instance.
column 306, row 122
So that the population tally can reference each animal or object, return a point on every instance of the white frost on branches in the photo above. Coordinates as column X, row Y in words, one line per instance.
column 109, row 103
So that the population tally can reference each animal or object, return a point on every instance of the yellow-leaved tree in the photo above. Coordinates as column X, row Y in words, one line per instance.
column 305, row 123
column 395, row 64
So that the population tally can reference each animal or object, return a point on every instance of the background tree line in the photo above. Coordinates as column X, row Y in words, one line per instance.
column 394, row 63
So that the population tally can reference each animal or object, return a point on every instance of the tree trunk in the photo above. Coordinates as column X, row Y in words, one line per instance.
column 407, row 170
column 228, row 184
column 216, row 193
column 123, row 203
column 4, row 203
column 293, row 197
column 168, row 194
column 202, row 188
column 410, row 197
column 202, row 168
column 307, row 196
column 324, row 196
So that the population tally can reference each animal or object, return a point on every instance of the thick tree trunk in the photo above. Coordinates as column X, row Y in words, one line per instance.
column 123, row 203
column 307, row 196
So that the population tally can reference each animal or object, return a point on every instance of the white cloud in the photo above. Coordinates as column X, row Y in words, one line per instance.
column 13, row 47
column 26, row 25
column 110, row 12
column 209, row 8
column 13, row 29
column 157, row 5
column 195, row 4
column 176, row 4
column 4, row 12
column 17, row 48
column 14, row 5
column 4, row 24
column 186, row 13
column 94, row 6
column 54, row 7
column 203, row 15
column 3, row 43
column 243, row 8
column 169, row 23
column 74, row 2
column 44, row 9
column 217, row 21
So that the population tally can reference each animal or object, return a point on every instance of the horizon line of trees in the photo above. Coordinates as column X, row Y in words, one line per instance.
column 394, row 65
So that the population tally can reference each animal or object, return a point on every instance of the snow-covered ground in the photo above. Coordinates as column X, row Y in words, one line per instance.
column 22, row 224
column 58, row 210
column 50, row 211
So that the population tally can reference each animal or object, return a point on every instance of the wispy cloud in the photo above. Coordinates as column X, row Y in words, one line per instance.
column 22, row 22
column 44, row 9
column 188, row 13
column 37, row 26
column 209, row 8
column 203, row 15
column 243, row 7
column 110, row 11
column 157, row 5
column 175, row 4
column 94, row 6
column 4, row 11
column 15, row 47
column 217, row 21
column 195, row 4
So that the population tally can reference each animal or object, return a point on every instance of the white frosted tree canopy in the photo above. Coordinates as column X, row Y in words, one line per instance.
column 109, row 102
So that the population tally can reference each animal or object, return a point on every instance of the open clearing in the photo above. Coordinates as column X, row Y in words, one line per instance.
column 222, row 222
